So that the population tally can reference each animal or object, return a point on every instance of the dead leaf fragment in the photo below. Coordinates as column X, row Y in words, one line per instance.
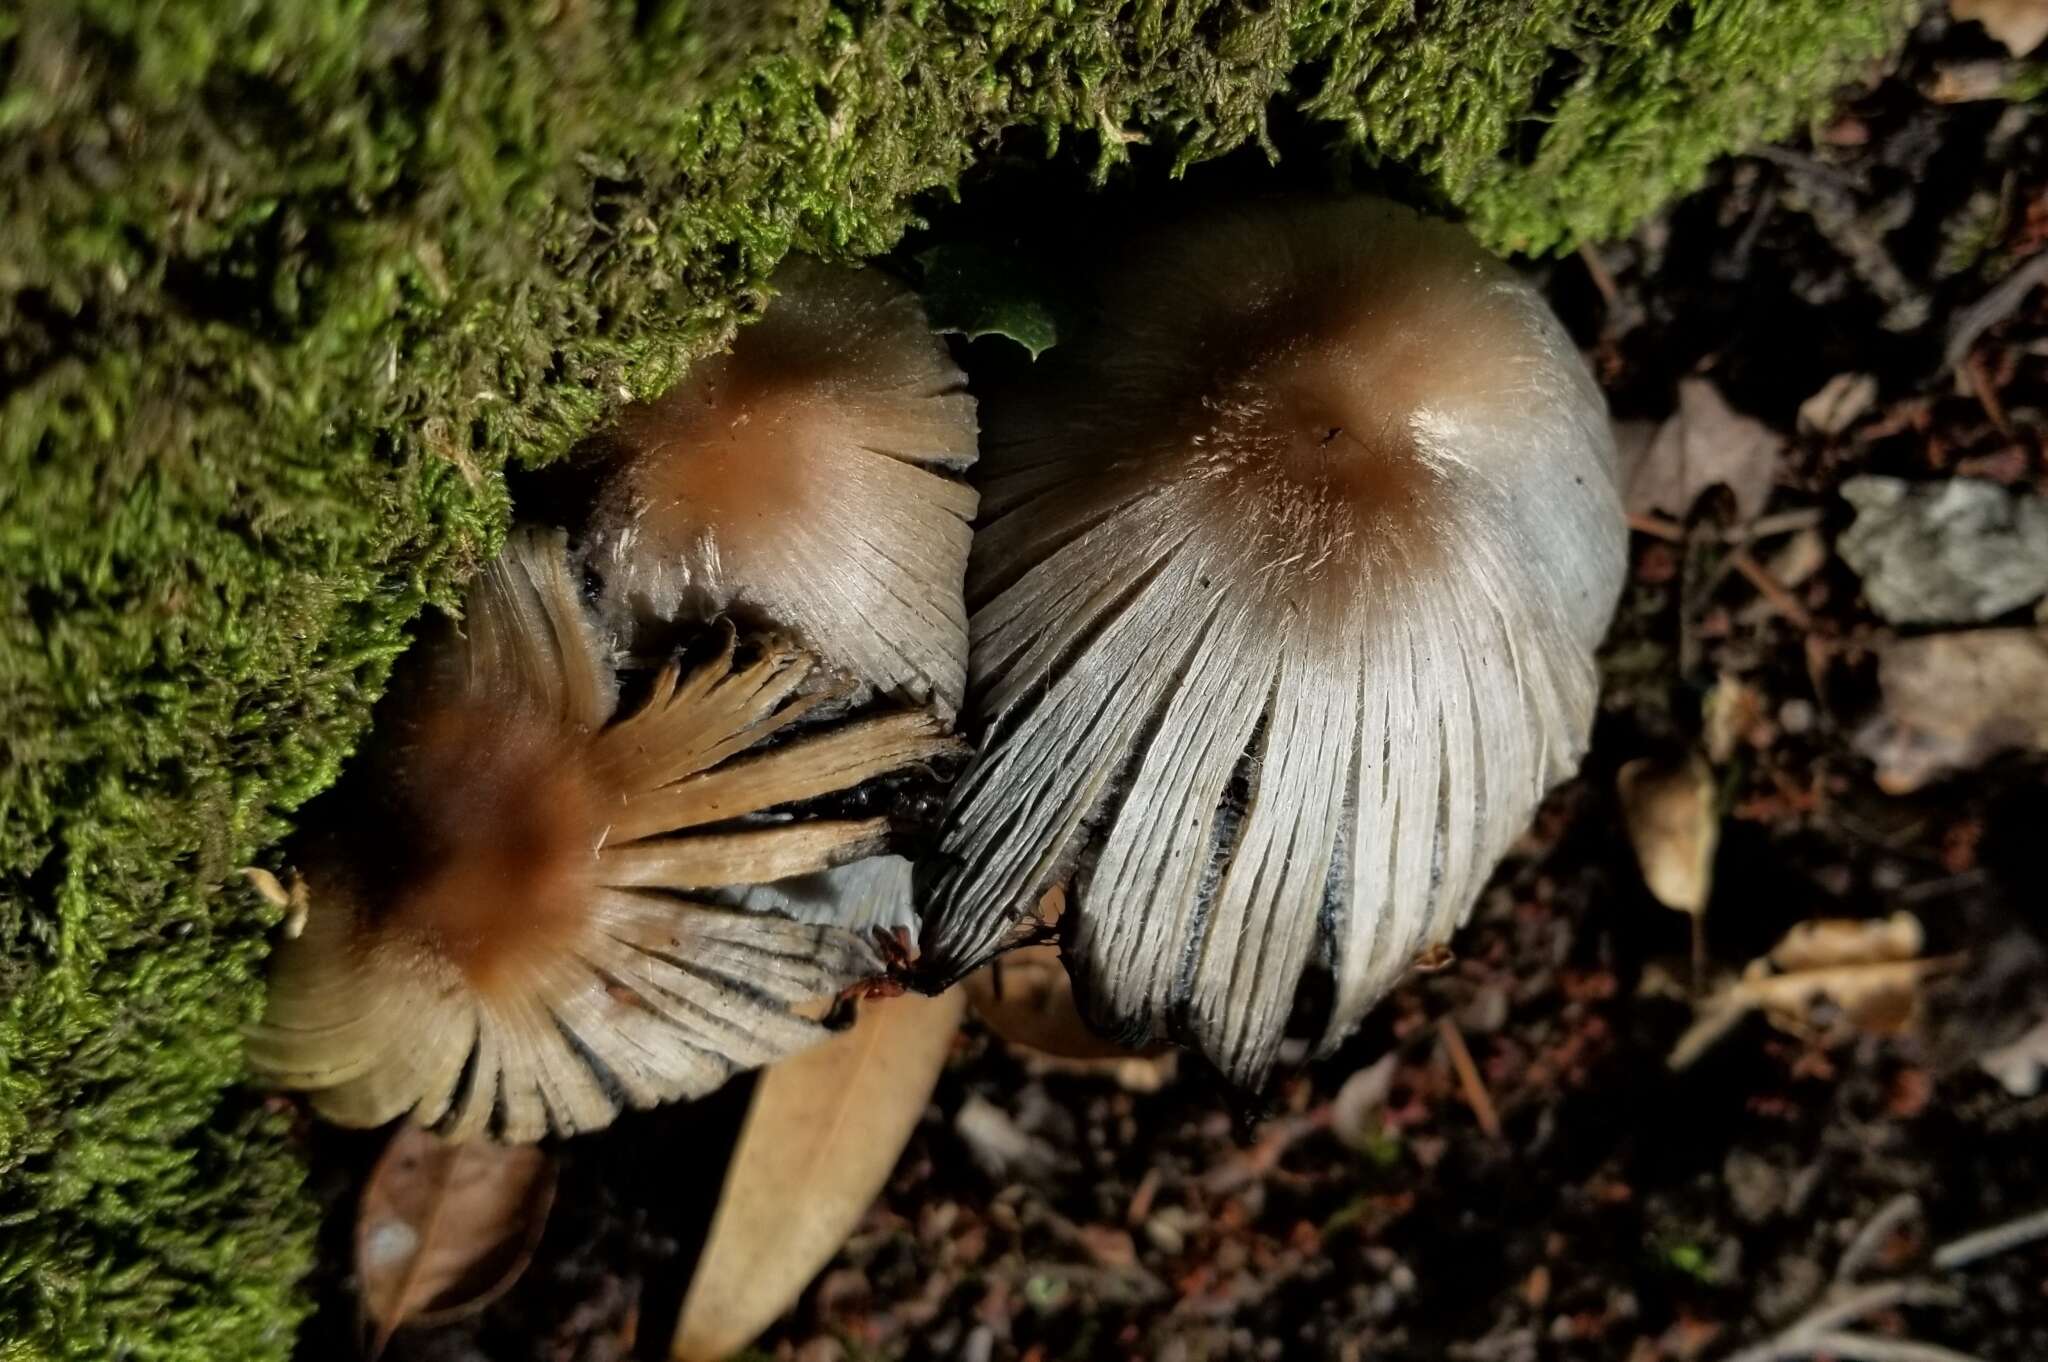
column 1839, row 402
column 1004, row 1148
column 2020, row 25
column 1674, row 826
column 2019, row 1065
column 1356, row 1113
column 1970, row 82
column 445, row 1227
column 1732, row 711
column 1027, row 998
column 1869, row 973
column 1832, row 942
column 1953, row 701
column 825, row 1129
column 1706, row 442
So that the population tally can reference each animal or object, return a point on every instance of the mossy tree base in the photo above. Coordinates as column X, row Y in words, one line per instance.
column 285, row 285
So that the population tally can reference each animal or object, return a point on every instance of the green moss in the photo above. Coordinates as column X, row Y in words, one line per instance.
column 284, row 285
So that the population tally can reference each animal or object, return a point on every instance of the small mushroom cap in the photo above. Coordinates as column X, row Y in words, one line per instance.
column 806, row 478
column 1283, row 619
column 513, row 926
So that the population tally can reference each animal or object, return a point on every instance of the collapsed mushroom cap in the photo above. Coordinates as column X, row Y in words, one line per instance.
column 509, row 927
column 803, row 478
column 1283, row 619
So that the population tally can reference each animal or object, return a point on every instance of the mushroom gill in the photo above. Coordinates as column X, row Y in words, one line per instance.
column 513, row 923
column 1283, row 620
column 808, row 477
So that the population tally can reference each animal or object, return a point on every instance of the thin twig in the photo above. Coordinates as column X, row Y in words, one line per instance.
column 1994, row 307
column 1770, row 588
column 1598, row 273
column 1656, row 526
column 1845, row 1347
column 1987, row 395
column 1819, row 1332
column 1476, row 1095
column 1997, row 1239
column 1868, row 1300
column 1901, row 1208
column 1782, row 522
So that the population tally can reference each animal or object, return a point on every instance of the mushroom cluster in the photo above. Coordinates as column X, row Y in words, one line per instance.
column 531, row 904
column 1279, row 623
column 1283, row 620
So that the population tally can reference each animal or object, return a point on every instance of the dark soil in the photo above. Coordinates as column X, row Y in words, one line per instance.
column 1621, row 1211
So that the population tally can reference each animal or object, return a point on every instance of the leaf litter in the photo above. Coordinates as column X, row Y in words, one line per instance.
column 444, row 1228
column 823, row 1132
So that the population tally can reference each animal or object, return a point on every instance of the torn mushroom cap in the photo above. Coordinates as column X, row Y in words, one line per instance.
column 806, row 478
column 1283, row 620
column 509, row 930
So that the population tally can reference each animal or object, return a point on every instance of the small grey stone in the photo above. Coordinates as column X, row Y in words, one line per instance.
column 1953, row 552
column 1755, row 1186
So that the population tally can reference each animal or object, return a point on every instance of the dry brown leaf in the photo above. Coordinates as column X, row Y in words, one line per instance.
column 1869, row 972
column 445, row 1227
column 1674, row 825
column 2019, row 24
column 1706, row 442
column 1027, row 998
column 1952, row 701
column 820, row 1139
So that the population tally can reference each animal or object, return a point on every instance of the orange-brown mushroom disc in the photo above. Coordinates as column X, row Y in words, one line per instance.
column 1283, row 618
column 522, row 913
column 808, row 478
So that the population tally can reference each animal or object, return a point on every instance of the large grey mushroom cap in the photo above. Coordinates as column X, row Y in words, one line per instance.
column 1283, row 619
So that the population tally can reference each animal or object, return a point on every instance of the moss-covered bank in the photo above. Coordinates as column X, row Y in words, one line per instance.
column 285, row 283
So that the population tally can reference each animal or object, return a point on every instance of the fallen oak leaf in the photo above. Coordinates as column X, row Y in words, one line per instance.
column 825, row 1128
column 444, row 1228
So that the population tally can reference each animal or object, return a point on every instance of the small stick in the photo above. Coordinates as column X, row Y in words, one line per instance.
column 1770, row 588
column 1995, row 306
column 1770, row 526
column 1657, row 527
column 1602, row 279
column 1997, row 1239
column 1901, row 1208
column 1476, row 1095
column 1987, row 396
column 1847, row 1347
column 1819, row 1331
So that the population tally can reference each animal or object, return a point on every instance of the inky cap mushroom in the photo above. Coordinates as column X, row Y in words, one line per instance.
column 511, row 926
column 1283, row 620
column 805, row 477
